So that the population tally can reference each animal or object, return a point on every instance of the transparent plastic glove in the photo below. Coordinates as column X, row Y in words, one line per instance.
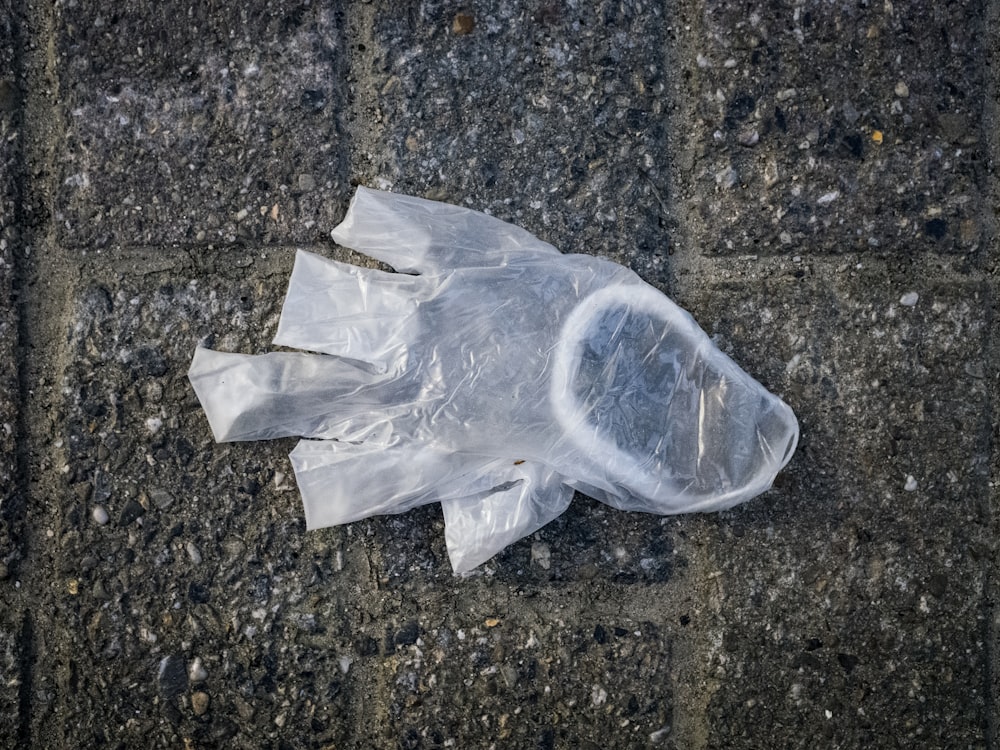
column 497, row 379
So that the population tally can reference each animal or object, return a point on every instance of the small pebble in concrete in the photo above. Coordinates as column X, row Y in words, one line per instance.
column 199, row 702
column 279, row 482
column 909, row 299
column 152, row 392
column 911, row 483
column 407, row 635
column 161, row 498
column 936, row 228
column 463, row 24
column 727, row 177
column 100, row 591
column 130, row 512
column 659, row 735
column 771, row 175
column 100, row 515
column 196, row 671
column 598, row 696
column 974, row 370
column 193, row 552
column 171, row 676
column 749, row 137
column 541, row 555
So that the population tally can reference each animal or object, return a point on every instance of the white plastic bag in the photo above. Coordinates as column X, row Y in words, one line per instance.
column 495, row 375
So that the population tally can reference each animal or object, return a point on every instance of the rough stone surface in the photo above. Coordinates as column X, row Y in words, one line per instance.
column 838, row 127
column 10, row 123
column 812, row 180
column 12, row 640
column 856, row 597
column 552, row 115
column 198, row 124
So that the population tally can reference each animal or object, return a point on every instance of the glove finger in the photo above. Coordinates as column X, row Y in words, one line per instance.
column 353, row 312
column 344, row 482
column 478, row 527
column 422, row 236
column 258, row 397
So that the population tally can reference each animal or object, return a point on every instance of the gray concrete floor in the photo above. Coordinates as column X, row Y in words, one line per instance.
column 789, row 172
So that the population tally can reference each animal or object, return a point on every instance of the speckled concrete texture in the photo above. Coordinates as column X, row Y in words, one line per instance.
column 12, row 500
column 198, row 124
column 813, row 180
column 835, row 127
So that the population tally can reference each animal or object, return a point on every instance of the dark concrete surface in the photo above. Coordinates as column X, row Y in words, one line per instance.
column 813, row 180
column 12, row 635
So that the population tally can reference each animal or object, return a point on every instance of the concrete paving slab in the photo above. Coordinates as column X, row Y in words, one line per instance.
column 831, row 128
column 852, row 607
column 169, row 550
column 554, row 116
column 192, row 124
column 547, row 667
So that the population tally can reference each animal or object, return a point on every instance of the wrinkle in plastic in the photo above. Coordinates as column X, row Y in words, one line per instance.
column 495, row 375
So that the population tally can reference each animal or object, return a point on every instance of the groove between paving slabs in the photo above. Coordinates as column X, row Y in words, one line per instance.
column 42, row 288
column 696, row 645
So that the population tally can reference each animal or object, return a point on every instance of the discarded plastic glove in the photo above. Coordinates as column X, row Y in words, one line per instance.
column 495, row 375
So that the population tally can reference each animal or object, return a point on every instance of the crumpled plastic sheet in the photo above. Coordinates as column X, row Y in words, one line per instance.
column 495, row 375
